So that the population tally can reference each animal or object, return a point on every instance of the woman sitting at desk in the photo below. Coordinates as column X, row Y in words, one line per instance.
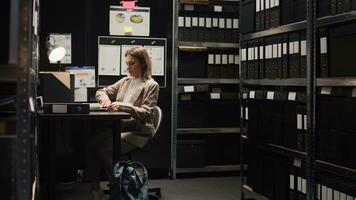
column 136, row 94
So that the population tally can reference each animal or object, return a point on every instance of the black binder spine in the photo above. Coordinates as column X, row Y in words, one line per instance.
column 194, row 29
column 259, row 12
column 285, row 53
column 228, row 30
column 267, row 14
column 274, row 13
column 208, row 29
column 236, row 66
column 294, row 55
column 201, row 29
column 261, row 60
column 235, row 30
column 187, row 28
column 211, row 63
column 303, row 56
column 215, row 30
column 333, row 6
column 250, row 59
column 221, row 30
column 256, row 62
column 217, row 67
column 323, row 52
column 181, row 28
column 243, row 60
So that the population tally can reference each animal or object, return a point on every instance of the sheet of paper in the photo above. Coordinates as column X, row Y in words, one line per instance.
column 109, row 60
column 83, row 77
column 156, row 54
column 80, row 94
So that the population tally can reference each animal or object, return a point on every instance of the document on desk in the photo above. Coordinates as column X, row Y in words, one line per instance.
column 96, row 107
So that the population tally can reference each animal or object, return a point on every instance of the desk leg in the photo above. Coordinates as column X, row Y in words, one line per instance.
column 116, row 141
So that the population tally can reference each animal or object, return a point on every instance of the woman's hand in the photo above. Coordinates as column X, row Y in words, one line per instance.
column 105, row 103
column 113, row 107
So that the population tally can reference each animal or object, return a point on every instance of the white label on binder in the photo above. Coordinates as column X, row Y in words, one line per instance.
column 285, row 48
column 330, row 194
column 221, row 22
column 246, row 113
column 342, row 196
column 271, row 4
column 349, row 197
column 189, row 7
column 297, row 163
column 189, row 88
column 231, row 59
column 304, row 186
column 267, row 4
column 299, row 121
column 208, row 22
column 291, row 47
column 235, row 23
column 241, row 112
column 214, row 95
column 237, row 59
column 303, row 48
column 336, row 195
column 291, row 181
column 194, row 21
column 270, row 51
column 323, row 192
column 229, row 23
column 299, row 184
column 252, row 94
column 270, row 95
column 292, row 96
column 215, row 22
column 243, row 54
column 326, row 90
column 305, row 122
column 318, row 194
column 279, row 50
column 185, row 97
column 218, row 8
column 276, row 2
column 201, row 21
column 296, row 47
column 211, row 59
column 258, row 6
column 180, row 21
column 274, row 51
column 252, row 53
column 261, row 52
column 262, row 5
column 323, row 45
column 217, row 59
column 249, row 54
column 188, row 22
column 256, row 53
column 224, row 59
column 244, row 95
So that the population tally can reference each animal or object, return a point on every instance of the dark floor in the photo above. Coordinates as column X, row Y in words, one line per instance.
column 216, row 188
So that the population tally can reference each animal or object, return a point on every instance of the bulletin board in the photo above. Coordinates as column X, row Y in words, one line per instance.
column 111, row 57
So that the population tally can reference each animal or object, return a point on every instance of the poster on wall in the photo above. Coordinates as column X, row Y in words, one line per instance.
column 130, row 23
column 64, row 40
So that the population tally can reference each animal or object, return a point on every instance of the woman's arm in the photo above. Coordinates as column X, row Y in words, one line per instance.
column 109, row 93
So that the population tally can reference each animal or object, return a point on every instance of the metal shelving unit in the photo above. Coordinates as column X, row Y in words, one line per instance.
column 280, row 150
column 8, row 73
column 336, row 169
column 211, row 168
column 335, row 81
column 183, row 131
column 208, row 44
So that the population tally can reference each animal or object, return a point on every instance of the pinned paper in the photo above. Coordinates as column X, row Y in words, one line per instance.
column 128, row 30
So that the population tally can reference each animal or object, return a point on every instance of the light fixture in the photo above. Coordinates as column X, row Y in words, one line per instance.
column 128, row 5
column 55, row 53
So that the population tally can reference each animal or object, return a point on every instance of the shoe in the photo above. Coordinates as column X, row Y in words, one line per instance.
column 97, row 194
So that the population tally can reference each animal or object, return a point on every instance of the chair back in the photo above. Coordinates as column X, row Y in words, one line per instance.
column 157, row 117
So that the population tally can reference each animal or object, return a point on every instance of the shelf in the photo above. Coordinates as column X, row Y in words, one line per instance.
column 211, row 168
column 184, row 131
column 208, row 81
column 8, row 73
column 195, row 2
column 324, row 21
column 192, row 48
column 8, row 137
column 253, row 194
column 276, row 82
column 208, row 44
column 338, row 81
column 336, row 169
column 280, row 150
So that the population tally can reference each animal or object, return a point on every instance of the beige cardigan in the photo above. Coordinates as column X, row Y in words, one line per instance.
column 141, row 104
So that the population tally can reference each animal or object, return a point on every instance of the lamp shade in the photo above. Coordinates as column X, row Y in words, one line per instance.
column 55, row 53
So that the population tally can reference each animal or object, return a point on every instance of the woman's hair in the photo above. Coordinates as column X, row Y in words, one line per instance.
column 141, row 55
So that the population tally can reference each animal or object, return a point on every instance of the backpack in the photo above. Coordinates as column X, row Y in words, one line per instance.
column 130, row 181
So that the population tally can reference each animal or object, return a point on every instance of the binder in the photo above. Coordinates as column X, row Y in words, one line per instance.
column 211, row 65
column 333, row 7
column 235, row 30
column 268, row 59
column 274, row 13
column 294, row 55
column 250, row 59
column 228, row 30
column 323, row 52
column 194, row 30
column 224, row 66
column 215, row 30
column 201, row 29
column 256, row 62
column 285, row 60
column 187, row 28
column 261, row 63
column 267, row 14
column 290, row 122
column 217, row 66
column 243, row 60
column 180, row 28
column 259, row 15
column 300, row 10
column 221, row 30
column 353, row 4
column 230, row 71
column 208, row 29
column 301, row 111
column 343, row 6
column 303, row 56
column 236, row 66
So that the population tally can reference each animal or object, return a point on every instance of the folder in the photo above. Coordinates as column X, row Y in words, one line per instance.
column 224, row 66
column 294, row 55
column 268, row 58
column 303, row 56
column 236, row 66
column 323, row 52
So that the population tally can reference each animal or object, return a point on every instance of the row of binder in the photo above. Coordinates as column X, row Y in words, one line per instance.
column 208, row 29
column 267, row 14
column 277, row 117
column 217, row 64
column 333, row 187
column 281, row 56
column 341, row 6
column 297, row 180
column 223, row 66
column 203, row 92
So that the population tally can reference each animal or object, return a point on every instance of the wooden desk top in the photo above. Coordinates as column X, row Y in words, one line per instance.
column 90, row 115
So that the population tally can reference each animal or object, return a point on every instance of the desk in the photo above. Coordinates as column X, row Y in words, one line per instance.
column 44, row 127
